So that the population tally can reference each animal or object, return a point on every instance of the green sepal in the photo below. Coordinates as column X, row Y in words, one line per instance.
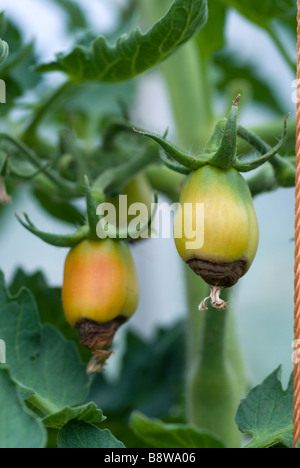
column 171, row 163
column 21, row 175
column 284, row 169
column 219, row 152
column 257, row 162
column 225, row 155
column 215, row 140
column 68, row 240
column 187, row 160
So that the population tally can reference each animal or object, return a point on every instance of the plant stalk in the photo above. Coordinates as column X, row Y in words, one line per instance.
column 30, row 155
column 214, row 373
column 190, row 92
column 45, row 406
column 280, row 47
column 44, row 109
column 215, row 381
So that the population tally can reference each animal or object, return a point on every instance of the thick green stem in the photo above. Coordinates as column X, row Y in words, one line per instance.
column 44, row 109
column 196, row 291
column 214, row 374
column 215, row 380
column 187, row 76
column 165, row 181
column 91, row 208
column 283, row 168
column 31, row 156
column 119, row 176
column 190, row 91
column 43, row 405
column 263, row 181
column 274, row 36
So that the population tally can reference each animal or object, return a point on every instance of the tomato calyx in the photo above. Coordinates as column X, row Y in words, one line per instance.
column 221, row 150
column 93, row 230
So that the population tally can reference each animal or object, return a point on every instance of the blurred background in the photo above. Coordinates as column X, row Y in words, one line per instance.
column 263, row 300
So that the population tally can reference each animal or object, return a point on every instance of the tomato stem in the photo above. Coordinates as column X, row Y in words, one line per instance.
column 116, row 178
column 215, row 376
column 283, row 168
column 91, row 210
column 43, row 405
column 67, row 240
column 275, row 38
column 31, row 156
column 44, row 109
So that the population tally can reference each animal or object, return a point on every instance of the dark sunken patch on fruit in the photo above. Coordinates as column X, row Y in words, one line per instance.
column 219, row 274
column 98, row 337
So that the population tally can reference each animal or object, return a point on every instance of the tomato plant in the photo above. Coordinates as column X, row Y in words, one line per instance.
column 88, row 360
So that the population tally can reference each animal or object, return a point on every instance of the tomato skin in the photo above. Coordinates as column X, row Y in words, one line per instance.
column 230, row 223
column 100, row 282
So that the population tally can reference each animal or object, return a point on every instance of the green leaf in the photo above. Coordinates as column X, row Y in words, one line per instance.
column 262, row 12
column 83, row 106
column 134, row 53
column 39, row 357
column 267, row 413
column 269, row 14
column 18, row 427
column 151, row 376
column 161, row 435
column 58, row 208
column 49, row 304
column 212, row 37
column 88, row 413
column 234, row 72
column 48, row 300
column 16, row 70
column 78, row 434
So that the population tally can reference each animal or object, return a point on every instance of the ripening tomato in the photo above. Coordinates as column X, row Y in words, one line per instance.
column 100, row 282
column 230, row 229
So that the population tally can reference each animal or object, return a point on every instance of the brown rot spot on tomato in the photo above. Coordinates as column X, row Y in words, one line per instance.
column 98, row 337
